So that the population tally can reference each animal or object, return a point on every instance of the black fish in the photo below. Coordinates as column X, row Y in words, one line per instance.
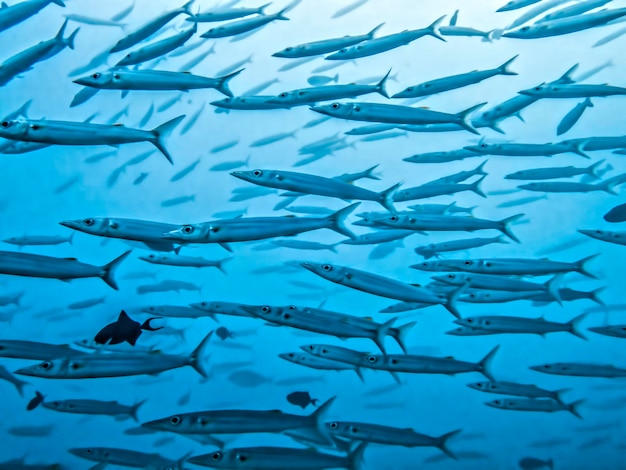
column 302, row 399
column 124, row 329
column 617, row 214
column 35, row 402
column 223, row 333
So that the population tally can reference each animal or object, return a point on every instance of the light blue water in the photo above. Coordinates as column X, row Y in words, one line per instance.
column 431, row 404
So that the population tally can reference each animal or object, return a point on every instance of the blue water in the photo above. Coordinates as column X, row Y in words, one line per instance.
column 431, row 404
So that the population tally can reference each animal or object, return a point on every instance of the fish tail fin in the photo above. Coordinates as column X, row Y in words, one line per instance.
column 442, row 443
column 261, row 9
column 222, row 82
column 380, row 87
column 475, row 187
column 550, row 464
column 69, row 41
column 573, row 408
column 338, row 218
column 453, row 296
column 581, row 266
column 387, row 196
column 592, row 169
column 163, row 131
column 557, row 395
column 402, row 332
column 382, row 331
column 220, row 264
column 187, row 7
column 17, row 300
column 58, row 2
column 485, row 364
column 504, row 68
column 480, row 170
column 70, row 239
column 433, row 29
column 608, row 186
column 196, row 358
column 552, row 287
column 495, row 34
column 369, row 173
column 108, row 270
column 464, row 116
column 502, row 240
column 574, row 326
column 370, row 35
column 355, row 457
column 567, row 76
column 595, row 296
column 19, row 385
column 506, row 226
column 588, row 102
column 23, row 111
column 318, row 418
column 177, row 249
column 135, row 408
column 280, row 15
column 493, row 125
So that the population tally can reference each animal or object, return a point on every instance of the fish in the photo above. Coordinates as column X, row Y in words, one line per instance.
column 319, row 80
column 533, row 463
column 94, row 21
column 580, row 369
column 243, row 26
column 455, row 81
column 39, row 240
column 301, row 399
column 83, row 133
column 573, row 90
column 313, row 184
column 536, row 404
column 516, row 5
column 117, row 365
column 618, row 238
column 125, row 457
column 124, row 329
column 150, row 28
column 175, row 201
column 31, row 431
column 37, row 400
column 617, row 331
column 278, row 458
column 188, row 261
column 155, row 80
column 381, row 44
column 348, row 8
column 114, row 409
column 435, row 249
column 16, row 14
column 65, row 269
column 258, row 228
column 554, row 172
column 570, row 187
column 510, row 324
column 616, row 214
column 166, row 286
column 325, row 46
column 25, row 60
column 273, row 138
column 158, row 48
column 226, row 13
column 517, row 389
column 571, row 118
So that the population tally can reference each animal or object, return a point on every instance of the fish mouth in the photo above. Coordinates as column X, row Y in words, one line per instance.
column 76, row 451
column 150, row 425
column 526, row 92
column 25, row 371
column 81, row 81
column 173, row 235
column 320, row 109
column 238, row 174
column 70, row 223
column 199, row 459
column 144, row 258
column 309, row 266
column 250, row 309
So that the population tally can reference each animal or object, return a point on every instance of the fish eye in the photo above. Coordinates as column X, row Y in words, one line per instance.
column 88, row 451
column 241, row 458
column 497, row 402
column 283, row 95
column 327, row 268
column 547, row 366
column 289, row 49
column 292, row 307
column 5, row 124
column 187, row 229
column 483, row 146
column 89, row 222
column 479, row 385
column 343, row 50
column 469, row 320
column 467, row 263
column 286, row 316
column 492, row 386
column 451, row 276
column 335, row 105
column 96, row 75
column 333, row 425
column 46, row 365
column 266, row 309
column 216, row 456
column 257, row 172
column 371, row 359
column 175, row 420
column 151, row 256
column 354, row 430
column 538, row 88
column 393, row 218
column 324, row 350
column 409, row 88
column 525, row 28
column 487, row 322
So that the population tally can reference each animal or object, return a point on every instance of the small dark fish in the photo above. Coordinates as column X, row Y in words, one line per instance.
column 30, row 431
column 617, row 214
column 223, row 333
column 35, row 402
column 531, row 463
column 123, row 330
column 553, row 442
column 301, row 399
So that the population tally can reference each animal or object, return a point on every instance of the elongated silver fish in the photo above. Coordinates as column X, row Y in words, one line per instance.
column 158, row 48
column 188, row 261
column 95, row 407
column 581, row 369
column 243, row 26
column 83, row 133
column 517, row 389
column 126, row 458
column 536, row 404
column 435, row 249
column 509, row 324
column 66, row 269
column 554, row 172
column 15, row 14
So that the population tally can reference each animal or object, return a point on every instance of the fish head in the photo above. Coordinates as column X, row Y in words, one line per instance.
column 521, row 33
column 536, row 90
column 58, row 405
column 128, row 59
column 255, row 176
column 429, row 266
column 483, row 386
column 343, row 54
column 334, row 109
column 213, row 32
column 181, row 423
column 98, row 79
column 501, row 403
column 290, row 52
column 295, row 357
column 97, row 454
column 94, row 226
column 262, row 311
column 452, row 278
column 223, row 103
column 327, row 271
column 49, row 369
column 153, row 258
column 392, row 220
column 287, row 97
column 190, row 233
column 333, row 353
column 15, row 129
column 554, row 368
column 233, row 458
column 482, row 147
column 342, row 429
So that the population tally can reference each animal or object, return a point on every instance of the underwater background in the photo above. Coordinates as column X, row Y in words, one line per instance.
column 42, row 188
